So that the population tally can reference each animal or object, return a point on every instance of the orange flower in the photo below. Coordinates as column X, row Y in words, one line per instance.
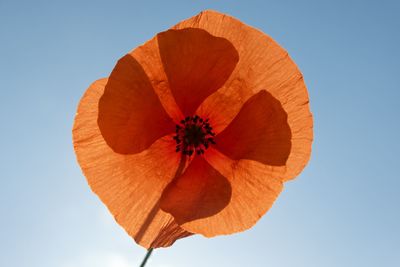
column 195, row 131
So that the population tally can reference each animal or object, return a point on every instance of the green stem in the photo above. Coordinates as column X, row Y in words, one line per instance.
column 146, row 257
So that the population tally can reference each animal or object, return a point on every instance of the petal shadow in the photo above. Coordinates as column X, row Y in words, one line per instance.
column 259, row 132
column 196, row 63
column 131, row 116
column 200, row 192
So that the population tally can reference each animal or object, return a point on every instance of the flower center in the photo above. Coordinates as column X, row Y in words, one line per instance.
column 193, row 135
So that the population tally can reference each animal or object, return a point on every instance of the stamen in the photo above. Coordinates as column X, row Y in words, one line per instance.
column 193, row 135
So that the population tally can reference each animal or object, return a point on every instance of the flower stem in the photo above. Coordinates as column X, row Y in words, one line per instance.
column 146, row 257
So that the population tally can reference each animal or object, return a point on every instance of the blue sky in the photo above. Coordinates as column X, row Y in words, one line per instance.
column 343, row 210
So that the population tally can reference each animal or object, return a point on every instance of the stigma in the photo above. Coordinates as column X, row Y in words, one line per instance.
column 193, row 135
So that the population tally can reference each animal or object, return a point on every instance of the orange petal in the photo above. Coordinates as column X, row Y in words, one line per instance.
column 199, row 192
column 254, row 188
column 259, row 132
column 131, row 116
column 196, row 64
column 129, row 185
column 263, row 65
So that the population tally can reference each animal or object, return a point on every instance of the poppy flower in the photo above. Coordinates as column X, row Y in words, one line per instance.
column 195, row 131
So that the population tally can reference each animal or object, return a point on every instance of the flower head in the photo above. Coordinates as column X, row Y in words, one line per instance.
column 195, row 131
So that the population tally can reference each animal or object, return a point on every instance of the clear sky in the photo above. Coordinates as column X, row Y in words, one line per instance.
column 343, row 210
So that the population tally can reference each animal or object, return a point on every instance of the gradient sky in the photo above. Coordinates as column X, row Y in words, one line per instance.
column 343, row 210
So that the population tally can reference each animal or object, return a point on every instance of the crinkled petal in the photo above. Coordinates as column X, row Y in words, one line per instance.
column 129, row 185
column 131, row 116
column 263, row 65
column 199, row 192
column 259, row 132
column 254, row 188
column 196, row 64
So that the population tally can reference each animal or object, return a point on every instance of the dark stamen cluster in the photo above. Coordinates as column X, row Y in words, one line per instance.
column 193, row 135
